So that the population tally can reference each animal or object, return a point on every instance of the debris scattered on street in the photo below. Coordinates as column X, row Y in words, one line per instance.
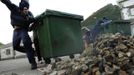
column 115, row 57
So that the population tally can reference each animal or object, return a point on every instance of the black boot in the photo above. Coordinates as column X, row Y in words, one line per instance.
column 33, row 66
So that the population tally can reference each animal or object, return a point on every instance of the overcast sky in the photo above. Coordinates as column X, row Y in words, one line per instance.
column 80, row 7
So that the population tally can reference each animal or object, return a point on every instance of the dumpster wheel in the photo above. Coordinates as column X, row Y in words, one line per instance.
column 47, row 60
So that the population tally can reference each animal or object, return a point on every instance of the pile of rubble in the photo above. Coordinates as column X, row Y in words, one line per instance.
column 116, row 53
column 115, row 56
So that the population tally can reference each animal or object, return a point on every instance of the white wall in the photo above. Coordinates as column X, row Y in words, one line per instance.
column 19, row 54
column 12, row 54
column 4, row 54
column 127, row 12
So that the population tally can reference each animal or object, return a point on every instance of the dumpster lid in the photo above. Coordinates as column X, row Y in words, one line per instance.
column 122, row 22
column 49, row 12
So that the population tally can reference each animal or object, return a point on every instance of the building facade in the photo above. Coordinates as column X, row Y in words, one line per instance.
column 7, row 52
column 127, row 11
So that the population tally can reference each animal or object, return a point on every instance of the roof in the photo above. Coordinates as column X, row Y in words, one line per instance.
column 120, row 1
column 5, row 46
column 10, row 44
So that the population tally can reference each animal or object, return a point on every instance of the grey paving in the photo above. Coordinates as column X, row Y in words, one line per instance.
column 21, row 66
column 17, row 67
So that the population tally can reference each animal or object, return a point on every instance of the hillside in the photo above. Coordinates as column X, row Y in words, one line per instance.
column 0, row 44
column 110, row 11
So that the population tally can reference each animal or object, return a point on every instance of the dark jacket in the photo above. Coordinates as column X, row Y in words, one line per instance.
column 17, row 19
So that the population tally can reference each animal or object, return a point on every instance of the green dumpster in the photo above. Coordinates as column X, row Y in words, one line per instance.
column 121, row 26
column 59, row 34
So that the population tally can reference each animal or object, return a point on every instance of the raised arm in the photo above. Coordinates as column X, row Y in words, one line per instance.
column 12, row 7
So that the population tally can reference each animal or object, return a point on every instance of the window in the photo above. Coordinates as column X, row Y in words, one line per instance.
column 8, row 52
column 131, row 11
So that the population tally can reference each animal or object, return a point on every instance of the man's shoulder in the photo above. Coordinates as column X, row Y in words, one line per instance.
column 10, row 5
column 29, row 12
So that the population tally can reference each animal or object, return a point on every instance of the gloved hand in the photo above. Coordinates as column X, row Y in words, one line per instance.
column 30, row 29
column 33, row 26
column 37, row 18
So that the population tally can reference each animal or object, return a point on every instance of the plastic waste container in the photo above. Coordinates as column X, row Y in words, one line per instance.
column 122, row 26
column 59, row 34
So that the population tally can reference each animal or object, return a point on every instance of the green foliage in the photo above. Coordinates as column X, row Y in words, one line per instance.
column 110, row 11
column 1, row 44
